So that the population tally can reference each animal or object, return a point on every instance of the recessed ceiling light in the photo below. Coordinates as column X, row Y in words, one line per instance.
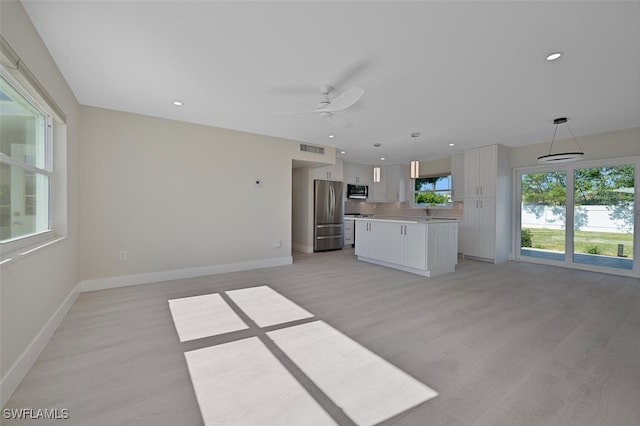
column 343, row 152
column 177, row 103
column 382, row 158
column 554, row 56
column 452, row 144
column 331, row 136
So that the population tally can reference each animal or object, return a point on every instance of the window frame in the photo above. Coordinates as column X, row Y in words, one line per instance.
column 569, row 169
column 34, row 239
column 414, row 192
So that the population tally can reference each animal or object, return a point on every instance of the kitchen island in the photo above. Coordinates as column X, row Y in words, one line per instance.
column 427, row 247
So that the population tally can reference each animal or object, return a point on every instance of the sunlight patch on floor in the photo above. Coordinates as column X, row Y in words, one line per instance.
column 267, row 307
column 242, row 383
column 203, row 316
column 368, row 388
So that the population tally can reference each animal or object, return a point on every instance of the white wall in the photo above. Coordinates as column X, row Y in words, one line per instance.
column 33, row 288
column 439, row 166
column 175, row 195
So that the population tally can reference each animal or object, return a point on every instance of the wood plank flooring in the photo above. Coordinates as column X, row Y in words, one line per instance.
column 509, row 344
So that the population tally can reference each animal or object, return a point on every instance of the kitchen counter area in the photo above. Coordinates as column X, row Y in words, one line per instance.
column 406, row 219
column 425, row 246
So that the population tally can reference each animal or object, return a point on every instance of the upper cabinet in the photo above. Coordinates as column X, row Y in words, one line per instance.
column 396, row 179
column 393, row 184
column 457, row 177
column 330, row 172
column 480, row 171
column 358, row 174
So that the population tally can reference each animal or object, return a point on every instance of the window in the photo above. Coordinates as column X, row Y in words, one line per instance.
column 25, row 164
column 432, row 191
column 581, row 215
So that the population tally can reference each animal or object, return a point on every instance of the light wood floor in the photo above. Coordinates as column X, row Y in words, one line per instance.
column 509, row 344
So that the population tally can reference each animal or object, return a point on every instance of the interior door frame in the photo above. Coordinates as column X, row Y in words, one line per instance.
column 569, row 169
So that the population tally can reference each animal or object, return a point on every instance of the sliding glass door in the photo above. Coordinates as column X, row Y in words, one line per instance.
column 543, row 212
column 581, row 215
column 604, row 216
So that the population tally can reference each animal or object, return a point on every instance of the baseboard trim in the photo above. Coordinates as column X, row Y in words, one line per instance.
column 176, row 274
column 20, row 368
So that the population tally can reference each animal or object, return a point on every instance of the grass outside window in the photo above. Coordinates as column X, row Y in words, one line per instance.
column 589, row 242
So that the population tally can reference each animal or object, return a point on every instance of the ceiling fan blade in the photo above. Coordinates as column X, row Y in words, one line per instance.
column 346, row 99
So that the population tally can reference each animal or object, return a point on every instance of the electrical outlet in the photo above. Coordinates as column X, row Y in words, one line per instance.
column 123, row 255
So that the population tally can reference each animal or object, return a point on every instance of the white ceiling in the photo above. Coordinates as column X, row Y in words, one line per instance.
column 469, row 73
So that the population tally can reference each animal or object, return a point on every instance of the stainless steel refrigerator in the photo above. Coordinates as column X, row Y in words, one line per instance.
column 328, row 216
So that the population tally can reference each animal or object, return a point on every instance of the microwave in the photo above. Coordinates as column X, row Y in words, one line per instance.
column 359, row 192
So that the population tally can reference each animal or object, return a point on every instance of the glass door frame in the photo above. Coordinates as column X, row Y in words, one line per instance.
column 569, row 169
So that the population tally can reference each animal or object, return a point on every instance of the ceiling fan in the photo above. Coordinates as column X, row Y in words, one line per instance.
column 328, row 106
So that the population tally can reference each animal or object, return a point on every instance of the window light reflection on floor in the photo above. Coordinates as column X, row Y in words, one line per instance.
column 243, row 382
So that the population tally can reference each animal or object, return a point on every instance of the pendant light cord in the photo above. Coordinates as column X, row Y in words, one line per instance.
column 574, row 138
column 572, row 135
column 553, row 139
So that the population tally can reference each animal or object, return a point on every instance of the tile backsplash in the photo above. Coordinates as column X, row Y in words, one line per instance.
column 401, row 209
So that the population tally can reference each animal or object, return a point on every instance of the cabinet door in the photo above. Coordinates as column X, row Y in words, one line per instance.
column 457, row 176
column 480, row 227
column 392, row 179
column 378, row 243
column 471, row 226
column 330, row 172
column 365, row 175
column 396, row 181
column 348, row 232
column 472, row 172
column 488, row 169
column 352, row 173
column 415, row 246
column 487, row 229
column 397, row 243
column 363, row 238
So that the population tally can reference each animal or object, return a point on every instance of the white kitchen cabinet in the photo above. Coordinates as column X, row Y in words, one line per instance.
column 371, row 239
column 407, row 244
column 487, row 203
column 480, row 167
column 349, row 228
column 330, row 172
column 358, row 174
column 393, row 184
column 396, row 181
column 427, row 248
column 457, row 177
column 480, row 227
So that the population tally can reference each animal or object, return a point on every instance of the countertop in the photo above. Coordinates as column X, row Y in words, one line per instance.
column 407, row 219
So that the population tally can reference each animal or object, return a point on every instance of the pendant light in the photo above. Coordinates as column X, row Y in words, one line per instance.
column 561, row 157
column 376, row 174
column 376, row 169
column 415, row 169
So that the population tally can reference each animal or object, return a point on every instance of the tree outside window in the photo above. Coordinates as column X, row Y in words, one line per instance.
column 432, row 191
